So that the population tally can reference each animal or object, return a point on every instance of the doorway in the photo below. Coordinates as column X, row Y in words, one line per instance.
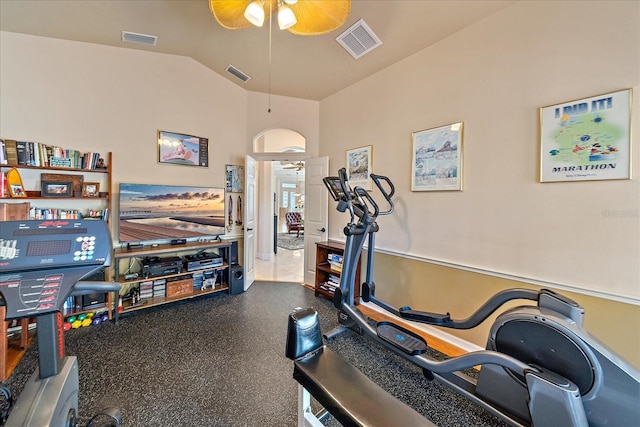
column 280, row 248
column 287, row 262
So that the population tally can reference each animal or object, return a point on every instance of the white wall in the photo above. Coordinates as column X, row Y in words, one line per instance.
column 494, row 76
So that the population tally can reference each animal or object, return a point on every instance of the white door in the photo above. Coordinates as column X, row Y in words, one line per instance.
column 315, row 213
column 249, row 221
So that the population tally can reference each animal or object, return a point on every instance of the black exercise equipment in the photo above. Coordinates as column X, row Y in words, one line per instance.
column 351, row 397
column 42, row 263
column 540, row 367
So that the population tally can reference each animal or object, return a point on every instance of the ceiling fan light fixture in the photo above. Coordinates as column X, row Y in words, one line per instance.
column 286, row 18
column 255, row 13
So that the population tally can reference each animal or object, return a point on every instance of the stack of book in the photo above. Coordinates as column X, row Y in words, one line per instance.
column 146, row 289
column 159, row 287
column 335, row 262
column 37, row 154
column 331, row 284
column 198, row 278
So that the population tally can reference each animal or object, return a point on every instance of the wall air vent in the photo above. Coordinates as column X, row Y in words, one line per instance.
column 359, row 39
column 139, row 38
column 239, row 74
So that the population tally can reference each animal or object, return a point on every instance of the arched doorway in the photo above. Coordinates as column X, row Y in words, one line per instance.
column 280, row 154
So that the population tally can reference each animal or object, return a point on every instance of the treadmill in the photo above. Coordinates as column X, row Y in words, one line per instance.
column 41, row 264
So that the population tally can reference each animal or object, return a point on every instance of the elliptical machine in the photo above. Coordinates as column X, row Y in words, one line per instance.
column 540, row 367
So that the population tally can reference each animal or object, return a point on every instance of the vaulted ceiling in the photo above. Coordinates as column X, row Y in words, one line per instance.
column 308, row 67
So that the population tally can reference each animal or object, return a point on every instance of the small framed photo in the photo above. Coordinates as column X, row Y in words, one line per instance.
column 57, row 189
column 91, row 189
column 359, row 166
column 182, row 149
column 437, row 159
column 14, row 183
column 586, row 139
column 235, row 179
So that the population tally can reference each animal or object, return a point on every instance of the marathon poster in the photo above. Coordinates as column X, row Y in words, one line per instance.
column 586, row 139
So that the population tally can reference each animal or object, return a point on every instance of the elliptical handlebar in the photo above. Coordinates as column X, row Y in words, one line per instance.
column 387, row 195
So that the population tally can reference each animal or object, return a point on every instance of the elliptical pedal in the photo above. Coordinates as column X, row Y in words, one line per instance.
column 401, row 338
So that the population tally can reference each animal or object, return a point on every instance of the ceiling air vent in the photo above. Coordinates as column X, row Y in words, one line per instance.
column 239, row 74
column 359, row 39
column 139, row 38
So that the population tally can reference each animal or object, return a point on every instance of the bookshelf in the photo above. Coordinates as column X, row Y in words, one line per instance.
column 329, row 269
column 76, row 203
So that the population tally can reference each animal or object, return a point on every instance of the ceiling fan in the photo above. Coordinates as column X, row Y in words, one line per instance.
column 298, row 166
column 303, row 17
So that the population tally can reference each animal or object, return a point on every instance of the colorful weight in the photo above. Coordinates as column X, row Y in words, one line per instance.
column 82, row 316
column 96, row 320
column 76, row 324
column 86, row 322
column 104, row 317
column 66, row 326
column 90, row 315
column 71, row 319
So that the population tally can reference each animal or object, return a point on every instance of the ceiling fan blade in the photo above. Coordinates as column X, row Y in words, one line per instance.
column 319, row 16
column 230, row 13
column 314, row 16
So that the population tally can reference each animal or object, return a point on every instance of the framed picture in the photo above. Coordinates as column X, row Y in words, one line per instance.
column 91, row 189
column 57, row 189
column 14, row 183
column 586, row 139
column 182, row 149
column 359, row 166
column 234, row 179
column 77, row 180
column 437, row 159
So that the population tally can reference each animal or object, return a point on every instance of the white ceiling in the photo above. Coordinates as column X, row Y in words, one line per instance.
column 308, row 67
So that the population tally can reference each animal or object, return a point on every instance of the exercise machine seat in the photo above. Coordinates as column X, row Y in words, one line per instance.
column 349, row 395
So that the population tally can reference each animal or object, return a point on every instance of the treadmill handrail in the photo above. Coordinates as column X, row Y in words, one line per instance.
column 87, row 287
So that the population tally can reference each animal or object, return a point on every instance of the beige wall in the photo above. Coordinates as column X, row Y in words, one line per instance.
column 493, row 76
column 439, row 289
column 100, row 98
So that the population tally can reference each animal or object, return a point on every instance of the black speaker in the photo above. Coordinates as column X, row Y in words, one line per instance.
column 233, row 253
column 236, row 280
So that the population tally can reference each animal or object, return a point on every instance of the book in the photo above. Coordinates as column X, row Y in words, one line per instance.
column 4, row 186
column 12, row 151
column 22, row 154
column 3, row 153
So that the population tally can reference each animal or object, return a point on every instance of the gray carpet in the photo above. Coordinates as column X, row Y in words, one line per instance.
column 219, row 361
column 290, row 241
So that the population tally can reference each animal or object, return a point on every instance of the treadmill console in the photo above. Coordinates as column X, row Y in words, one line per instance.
column 40, row 261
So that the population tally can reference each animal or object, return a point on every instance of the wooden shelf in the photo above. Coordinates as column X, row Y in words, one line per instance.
column 124, row 253
column 124, row 281
column 57, row 168
column 323, row 268
column 155, row 301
